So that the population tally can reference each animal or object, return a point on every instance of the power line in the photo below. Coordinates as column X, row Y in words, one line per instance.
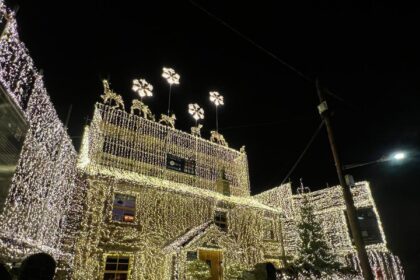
column 252, row 42
column 260, row 124
column 263, row 49
column 303, row 152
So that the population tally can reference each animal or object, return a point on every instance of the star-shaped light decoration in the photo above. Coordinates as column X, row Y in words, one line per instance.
column 196, row 111
column 216, row 98
column 170, row 75
column 142, row 87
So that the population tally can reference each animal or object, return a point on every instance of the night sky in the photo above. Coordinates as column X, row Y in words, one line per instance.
column 367, row 54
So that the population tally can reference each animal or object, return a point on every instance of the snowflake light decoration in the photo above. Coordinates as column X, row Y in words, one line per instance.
column 196, row 111
column 216, row 98
column 142, row 87
column 170, row 75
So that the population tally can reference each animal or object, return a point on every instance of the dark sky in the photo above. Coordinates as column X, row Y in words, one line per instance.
column 368, row 54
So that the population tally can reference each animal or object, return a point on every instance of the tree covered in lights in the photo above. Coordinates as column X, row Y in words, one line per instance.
column 315, row 256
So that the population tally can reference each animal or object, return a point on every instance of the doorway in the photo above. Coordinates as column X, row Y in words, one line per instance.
column 214, row 259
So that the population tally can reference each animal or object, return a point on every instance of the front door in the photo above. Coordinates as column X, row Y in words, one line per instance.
column 214, row 259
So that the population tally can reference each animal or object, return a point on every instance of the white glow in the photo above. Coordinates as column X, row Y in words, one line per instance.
column 399, row 156
column 170, row 75
column 196, row 111
column 216, row 98
column 142, row 87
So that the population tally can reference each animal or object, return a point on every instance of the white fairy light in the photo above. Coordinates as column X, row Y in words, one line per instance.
column 142, row 87
column 196, row 111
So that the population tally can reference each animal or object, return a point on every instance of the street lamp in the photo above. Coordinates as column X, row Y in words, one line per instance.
column 397, row 156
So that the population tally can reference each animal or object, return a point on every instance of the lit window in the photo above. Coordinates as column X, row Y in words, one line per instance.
column 268, row 229
column 116, row 268
column 180, row 164
column 124, row 208
column 220, row 220
column 368, row 224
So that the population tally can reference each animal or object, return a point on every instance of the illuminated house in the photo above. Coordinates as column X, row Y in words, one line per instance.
column 143, row 200
column 330, row 209
column 159, row 197
column 38, row 179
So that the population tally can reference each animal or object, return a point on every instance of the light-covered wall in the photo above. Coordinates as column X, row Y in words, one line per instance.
column 330, row 209
column 162, row 216
column 44, row 201
column 129, row 142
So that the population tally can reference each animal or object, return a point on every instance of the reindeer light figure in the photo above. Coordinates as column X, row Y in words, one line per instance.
column 109, row 96
column 196, row 130
column 142, row 109
column 218, row 138
column 168, row 120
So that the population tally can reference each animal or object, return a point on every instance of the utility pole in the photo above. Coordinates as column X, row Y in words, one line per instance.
column 348, row 198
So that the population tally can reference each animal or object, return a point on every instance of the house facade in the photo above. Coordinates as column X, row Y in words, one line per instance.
column 159, row 198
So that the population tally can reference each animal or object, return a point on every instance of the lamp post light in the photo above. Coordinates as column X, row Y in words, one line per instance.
column 397, row 156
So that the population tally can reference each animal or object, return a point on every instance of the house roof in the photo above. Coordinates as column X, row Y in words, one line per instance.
column 186, row 238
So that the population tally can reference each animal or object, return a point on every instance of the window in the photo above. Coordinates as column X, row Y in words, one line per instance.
column 124, row 208
column 268, row 229
column 116, row 268
column 222, row 184
column 369, row 227
column 13, row 128
column 180, row 164
column 191, row 255
column 220, row 220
